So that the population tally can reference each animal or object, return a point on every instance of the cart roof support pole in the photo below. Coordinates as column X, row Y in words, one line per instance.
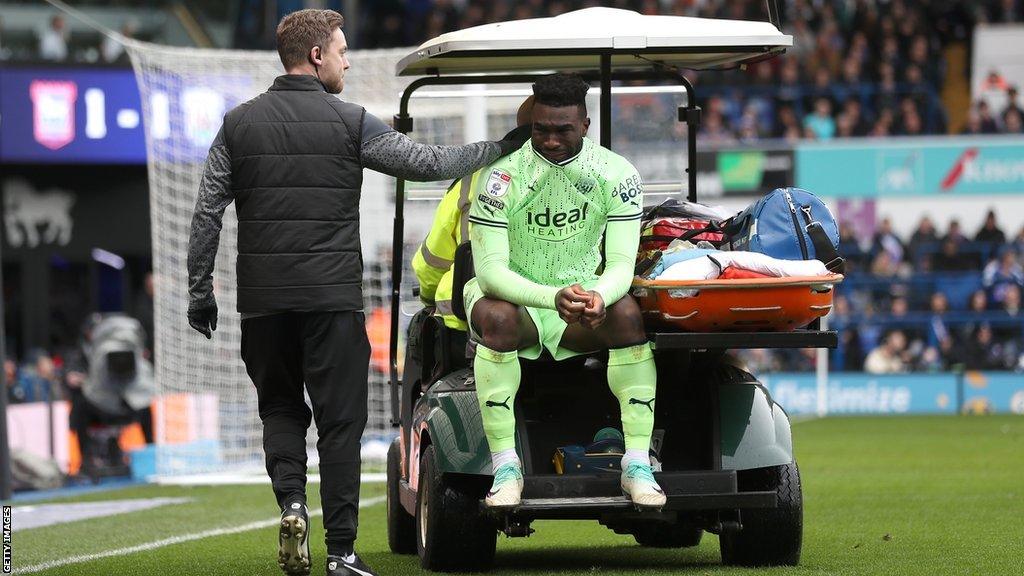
column 606, row 101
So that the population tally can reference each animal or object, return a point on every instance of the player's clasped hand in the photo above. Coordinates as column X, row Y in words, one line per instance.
column 574, row 304
column 570, row 302
column 595, row 313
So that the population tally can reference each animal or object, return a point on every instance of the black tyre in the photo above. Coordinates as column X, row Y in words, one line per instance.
column 659, row 535
column 770, row 536
column 401, row 524
column 452, row 533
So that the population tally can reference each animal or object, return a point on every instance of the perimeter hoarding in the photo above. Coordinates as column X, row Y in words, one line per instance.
column 859, row 393
column 912, row 167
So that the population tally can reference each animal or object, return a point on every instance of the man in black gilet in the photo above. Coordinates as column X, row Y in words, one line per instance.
column 291, row 160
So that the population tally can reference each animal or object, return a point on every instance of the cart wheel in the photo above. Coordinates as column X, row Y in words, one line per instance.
column 401, row 524
column 667, row 536
column 452, row 533
column 770, row 536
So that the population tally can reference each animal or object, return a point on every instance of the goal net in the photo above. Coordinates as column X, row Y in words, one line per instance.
column 206, row 418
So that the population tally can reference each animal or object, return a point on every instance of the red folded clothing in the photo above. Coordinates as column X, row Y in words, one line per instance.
column 733, row 273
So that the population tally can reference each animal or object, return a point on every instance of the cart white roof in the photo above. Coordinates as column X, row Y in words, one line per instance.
column 573, row 42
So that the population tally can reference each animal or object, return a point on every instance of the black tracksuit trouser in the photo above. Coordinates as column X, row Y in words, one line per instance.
column 329, row 353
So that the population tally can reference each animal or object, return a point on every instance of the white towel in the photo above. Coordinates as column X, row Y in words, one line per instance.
column 711, row 266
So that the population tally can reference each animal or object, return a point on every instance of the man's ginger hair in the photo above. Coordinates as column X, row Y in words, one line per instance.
column 300, row 31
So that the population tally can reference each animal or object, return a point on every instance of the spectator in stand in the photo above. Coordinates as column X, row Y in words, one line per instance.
column 1011, row 301
column 978, row 302
column 954, row 232
column 1018, row 242
column 938, row 330
column 923, row 239
column 715, row 129
column 949, row 258
column 854, row 112
column 112, row 50
column 11, row 380
column 857, row 259
column 973, row 125
column 994, row 81
column 53, row 41
column 884, row 124
column 36, row 381
column 990, row 231
column 886, row 240
column 819, row 125
column 1002, row 273
column 985, row 352
column 920, row 57
column 1013, row 123
column 852, row 351
column 1005, row 11
column 821, row 87
column 988, row 123
column 786, row 124
column 889, row 357
column 883, row 266
column 1011, row 104
column 887, row 89
column 911, row 124
column 789, row 93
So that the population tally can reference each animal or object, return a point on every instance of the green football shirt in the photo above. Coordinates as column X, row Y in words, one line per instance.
column 550, row 219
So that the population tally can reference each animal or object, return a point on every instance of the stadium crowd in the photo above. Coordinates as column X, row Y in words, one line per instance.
column 858, row 68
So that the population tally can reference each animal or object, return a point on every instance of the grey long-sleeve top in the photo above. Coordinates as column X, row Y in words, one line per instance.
column 382, row 149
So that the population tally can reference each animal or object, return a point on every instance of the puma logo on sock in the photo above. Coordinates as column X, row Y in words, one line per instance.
column 492, row 404
column 642, row 403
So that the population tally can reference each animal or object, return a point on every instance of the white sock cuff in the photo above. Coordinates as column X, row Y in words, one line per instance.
column 640, row 456
column 499, row 459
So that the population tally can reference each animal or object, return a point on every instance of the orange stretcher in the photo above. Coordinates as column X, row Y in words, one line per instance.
column 742, row 304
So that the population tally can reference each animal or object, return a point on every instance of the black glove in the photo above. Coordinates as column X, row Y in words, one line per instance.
column 515, row 139
column 203, row 317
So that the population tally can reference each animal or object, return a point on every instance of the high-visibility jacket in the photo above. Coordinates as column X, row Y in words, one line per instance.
column 432, row 263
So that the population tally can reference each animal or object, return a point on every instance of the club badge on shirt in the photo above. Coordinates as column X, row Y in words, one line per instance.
column 497, row 182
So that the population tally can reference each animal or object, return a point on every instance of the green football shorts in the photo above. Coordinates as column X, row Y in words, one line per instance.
column 550, row 326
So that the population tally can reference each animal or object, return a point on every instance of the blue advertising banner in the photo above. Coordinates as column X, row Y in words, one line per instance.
column 986, row 392
column 912, row 167
column 860, row 393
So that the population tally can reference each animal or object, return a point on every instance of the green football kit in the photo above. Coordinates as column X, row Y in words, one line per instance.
column 536, row 228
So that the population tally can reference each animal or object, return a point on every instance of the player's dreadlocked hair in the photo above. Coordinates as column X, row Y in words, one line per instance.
column 561, row 90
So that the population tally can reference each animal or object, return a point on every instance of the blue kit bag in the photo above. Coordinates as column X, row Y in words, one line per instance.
column 790, row 224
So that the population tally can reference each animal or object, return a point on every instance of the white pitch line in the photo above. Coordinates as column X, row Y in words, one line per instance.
column 173, row 540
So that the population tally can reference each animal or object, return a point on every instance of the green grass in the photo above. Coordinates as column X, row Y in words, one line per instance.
column 909, row 495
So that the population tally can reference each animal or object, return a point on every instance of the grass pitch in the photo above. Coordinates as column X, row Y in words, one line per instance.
column 895, row 496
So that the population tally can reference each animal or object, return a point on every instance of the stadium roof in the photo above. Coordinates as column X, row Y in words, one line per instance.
column 574, row 41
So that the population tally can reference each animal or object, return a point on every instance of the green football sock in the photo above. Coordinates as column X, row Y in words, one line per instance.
column 497, row 380
column 632, row 377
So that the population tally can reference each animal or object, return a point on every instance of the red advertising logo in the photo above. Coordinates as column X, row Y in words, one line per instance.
column 957, row 171
column 53, row 112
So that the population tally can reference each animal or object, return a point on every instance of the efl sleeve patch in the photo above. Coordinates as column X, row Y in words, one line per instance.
column 498, row 183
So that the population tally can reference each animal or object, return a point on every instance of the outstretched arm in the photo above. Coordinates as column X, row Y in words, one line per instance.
column 391, row 152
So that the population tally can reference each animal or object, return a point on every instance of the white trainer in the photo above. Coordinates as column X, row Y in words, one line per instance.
column 507, row 489
column 639, row 484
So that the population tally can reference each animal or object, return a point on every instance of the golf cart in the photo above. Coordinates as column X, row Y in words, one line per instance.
column 724, row 447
